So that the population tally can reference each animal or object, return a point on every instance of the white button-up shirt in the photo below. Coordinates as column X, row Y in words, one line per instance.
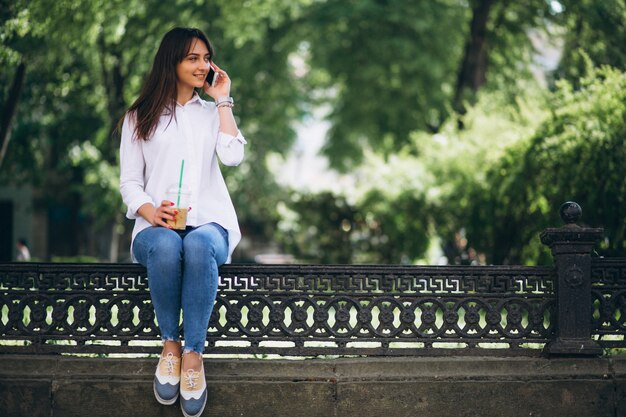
column 149, row 168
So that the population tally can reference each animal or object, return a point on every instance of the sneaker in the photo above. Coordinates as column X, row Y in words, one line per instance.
column 193, row 392
column 167, row 379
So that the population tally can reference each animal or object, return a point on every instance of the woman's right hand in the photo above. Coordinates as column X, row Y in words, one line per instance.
column 157, row 216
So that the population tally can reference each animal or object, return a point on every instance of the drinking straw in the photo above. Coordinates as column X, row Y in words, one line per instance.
column 180, row 182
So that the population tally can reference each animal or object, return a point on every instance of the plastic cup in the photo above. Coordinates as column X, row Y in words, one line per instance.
column 181, row 204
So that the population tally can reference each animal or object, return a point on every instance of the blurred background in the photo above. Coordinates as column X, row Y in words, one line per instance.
column 380, row 131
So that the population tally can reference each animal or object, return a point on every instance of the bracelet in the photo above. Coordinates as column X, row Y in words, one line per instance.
column 229, row 105
column 225, row 101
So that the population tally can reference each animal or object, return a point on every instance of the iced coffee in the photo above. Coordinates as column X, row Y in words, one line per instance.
column 180, row 198
column 180, row 219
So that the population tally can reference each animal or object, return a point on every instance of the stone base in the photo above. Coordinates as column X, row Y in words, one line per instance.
column 62, row 386
column 573, row 347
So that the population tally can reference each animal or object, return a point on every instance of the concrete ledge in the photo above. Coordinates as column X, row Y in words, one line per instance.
column 389, row 387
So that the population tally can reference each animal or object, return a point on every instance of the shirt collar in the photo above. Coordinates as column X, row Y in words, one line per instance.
column 194, row 98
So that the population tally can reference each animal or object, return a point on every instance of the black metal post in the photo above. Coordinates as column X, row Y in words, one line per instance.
column 571, row 247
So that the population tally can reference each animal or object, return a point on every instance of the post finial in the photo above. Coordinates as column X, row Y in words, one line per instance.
column 570, row 212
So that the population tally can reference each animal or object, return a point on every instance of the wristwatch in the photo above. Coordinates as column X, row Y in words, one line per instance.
column 224, row 101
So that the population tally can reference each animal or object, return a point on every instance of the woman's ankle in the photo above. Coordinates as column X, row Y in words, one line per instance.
column 172, row 346
column 192, row 360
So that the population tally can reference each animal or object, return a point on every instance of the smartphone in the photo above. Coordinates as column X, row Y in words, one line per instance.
column 211, row 77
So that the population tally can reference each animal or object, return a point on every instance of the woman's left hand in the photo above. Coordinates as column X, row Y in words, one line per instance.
column 222, row 85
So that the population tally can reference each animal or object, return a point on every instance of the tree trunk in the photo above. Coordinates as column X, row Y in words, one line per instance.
column 114, row 87
column 10, row 108
column 473, row 71
column 116, row 105
column 116, row 228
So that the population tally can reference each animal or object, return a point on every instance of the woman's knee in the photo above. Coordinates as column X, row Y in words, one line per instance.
column 163, row 246
column 168, row 241
column 206, row 241
column 199, row 243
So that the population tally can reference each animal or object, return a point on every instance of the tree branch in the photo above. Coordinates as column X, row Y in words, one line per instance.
column 10, row 108
column 473, row 70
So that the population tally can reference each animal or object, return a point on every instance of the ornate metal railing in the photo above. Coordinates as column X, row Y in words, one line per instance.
column 288, row 310
column 608, row 292
column 577, row 307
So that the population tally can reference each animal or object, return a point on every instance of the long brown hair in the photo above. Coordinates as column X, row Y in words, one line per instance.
column 159, row 92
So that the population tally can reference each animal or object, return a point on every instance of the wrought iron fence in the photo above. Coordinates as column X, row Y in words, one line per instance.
column 288, row 310
column 608, row 292
column 576, row 307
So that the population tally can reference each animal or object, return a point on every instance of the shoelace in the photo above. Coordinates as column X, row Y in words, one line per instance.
column 191, row 377
column 170, row 361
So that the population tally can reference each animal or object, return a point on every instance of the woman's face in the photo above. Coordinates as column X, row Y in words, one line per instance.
column 192, row 70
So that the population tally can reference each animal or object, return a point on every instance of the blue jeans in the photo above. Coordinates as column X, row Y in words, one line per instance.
column 182, row 272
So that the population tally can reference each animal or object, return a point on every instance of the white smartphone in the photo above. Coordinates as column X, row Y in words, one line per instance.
column 211, row 77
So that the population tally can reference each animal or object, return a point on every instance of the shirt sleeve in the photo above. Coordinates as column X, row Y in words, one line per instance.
column 132, row 166
column 230, row 148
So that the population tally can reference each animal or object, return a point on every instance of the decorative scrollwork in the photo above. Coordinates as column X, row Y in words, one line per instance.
column 574, row 276
column 608, row 281
column 311, row 310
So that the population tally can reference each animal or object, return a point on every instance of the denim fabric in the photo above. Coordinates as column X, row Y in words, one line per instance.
column 182, row 273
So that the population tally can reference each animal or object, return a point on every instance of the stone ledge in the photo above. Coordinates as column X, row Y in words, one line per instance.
column 390, row 387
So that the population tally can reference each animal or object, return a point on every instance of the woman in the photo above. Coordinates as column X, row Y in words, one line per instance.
column 169, row 123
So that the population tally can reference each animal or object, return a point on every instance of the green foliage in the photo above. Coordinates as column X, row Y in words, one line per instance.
column 579, row 154
column 393, row 230
column 388, row 222
column 576, row 154
column 501, row 178
column 325, row 228
column 595, row 30
column 391, row 67
column 318, row 228
column 270, row 102
column 460, row 160
column 75, row 259
column 99, row 189
column 389, row 70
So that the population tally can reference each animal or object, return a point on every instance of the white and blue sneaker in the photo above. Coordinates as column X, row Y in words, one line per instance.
column 167, row 379
column 193, row 392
